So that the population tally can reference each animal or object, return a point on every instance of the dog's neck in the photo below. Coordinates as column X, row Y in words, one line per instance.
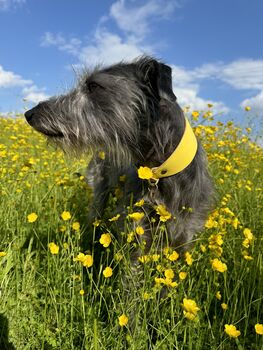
column 181, row 157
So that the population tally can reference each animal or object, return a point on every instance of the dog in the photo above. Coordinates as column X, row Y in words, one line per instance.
column 129, row 111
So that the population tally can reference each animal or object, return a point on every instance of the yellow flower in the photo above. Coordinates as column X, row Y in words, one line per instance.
column 163, row 212
column 169, row 273
column 139, row 230
column 2, row 254
column 136, row 216
column 54, row 249
column 115, row 218
column 247, row 108
column 248, row 234
column 218, row 295
column 259, row 328
column 86, row 260
column 82, row 292
column 217, row 265
column 65, row 245
column 202, row 248
column 130, row 237
column 188, row 258
column 101, row 155
column 123, row 320
column 105, row 240
column 232, row 331
column 224, row 306
column 145, row 173
column 195, row 114
column 190, row 308
column 173, row 257
column 32, row 217
column 182, row 275
column 76, row 226
column 96, row 223
column 139, row 203
column 66, row 215
column 107, row 272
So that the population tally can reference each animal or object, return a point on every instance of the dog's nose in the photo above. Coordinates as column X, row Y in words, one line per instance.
column 30, row 114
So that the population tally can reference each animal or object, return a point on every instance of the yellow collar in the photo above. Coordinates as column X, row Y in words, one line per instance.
column 181, row 157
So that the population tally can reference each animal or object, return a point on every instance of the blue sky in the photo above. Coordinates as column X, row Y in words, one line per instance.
column 214, row 47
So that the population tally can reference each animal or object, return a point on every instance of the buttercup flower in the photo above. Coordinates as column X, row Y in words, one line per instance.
column 232, row 331
column 139, row 203
column 123, row 320
column 86, row 260
column 76, row 226
column 82, row 292
column 107, row 272
column 169, row 273
column 259, row 328
column 54, row 249
column 105, row 240
column 139, row 230
column 145, row 173
column 32, row 217
column 163, row 212
column 217, row 265
column 136, row 216
column 173, row 256
column 218, row 295
column 224, row 306
column 188, row 258
column 115, row 218
column 190, row 308
column 66, row 215
column 2, row 254
column 182, row 275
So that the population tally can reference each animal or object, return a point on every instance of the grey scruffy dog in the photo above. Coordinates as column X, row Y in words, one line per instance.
column 129, row 111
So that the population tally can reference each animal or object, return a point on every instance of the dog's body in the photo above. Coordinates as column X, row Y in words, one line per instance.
column 129, row 111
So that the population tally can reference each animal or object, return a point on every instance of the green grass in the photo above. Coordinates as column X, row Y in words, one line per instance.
column 41, row 306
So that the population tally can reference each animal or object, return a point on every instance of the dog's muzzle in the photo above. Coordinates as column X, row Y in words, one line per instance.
column 36, row 118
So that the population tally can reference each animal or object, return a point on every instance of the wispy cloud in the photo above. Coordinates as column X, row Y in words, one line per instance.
column 137, row 20
column 72, row 45
column 6, row 5
column 34, row 94
column 10, row 79
column 30, row 92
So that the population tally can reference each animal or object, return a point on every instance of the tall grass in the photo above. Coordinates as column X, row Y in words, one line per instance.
column 49, row 300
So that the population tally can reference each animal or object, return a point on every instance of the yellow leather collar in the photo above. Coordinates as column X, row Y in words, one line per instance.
column 182, row 156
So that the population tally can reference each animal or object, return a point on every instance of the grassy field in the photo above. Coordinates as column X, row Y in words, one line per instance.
column 54, row 297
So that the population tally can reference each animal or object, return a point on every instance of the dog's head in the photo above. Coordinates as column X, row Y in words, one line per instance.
column 108, row 107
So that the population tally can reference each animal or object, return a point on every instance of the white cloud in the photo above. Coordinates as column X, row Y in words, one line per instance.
column 7, row 4
column 136, row 20
column 242, row 74
column 108, row 48
column 10, row 79
column 34, row 94
column 30, row 92
column 72, row 46
column 256, row 103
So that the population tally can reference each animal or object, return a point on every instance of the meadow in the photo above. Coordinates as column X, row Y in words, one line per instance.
column 61, row 279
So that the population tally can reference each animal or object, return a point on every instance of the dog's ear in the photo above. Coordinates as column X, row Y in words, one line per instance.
column 149, row 71
column 158, row 76
column 165, row 80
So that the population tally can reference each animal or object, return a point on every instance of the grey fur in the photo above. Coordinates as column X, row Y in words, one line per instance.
column 129, row 111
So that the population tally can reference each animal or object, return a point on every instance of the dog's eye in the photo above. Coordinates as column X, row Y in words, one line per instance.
column 92, row 86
